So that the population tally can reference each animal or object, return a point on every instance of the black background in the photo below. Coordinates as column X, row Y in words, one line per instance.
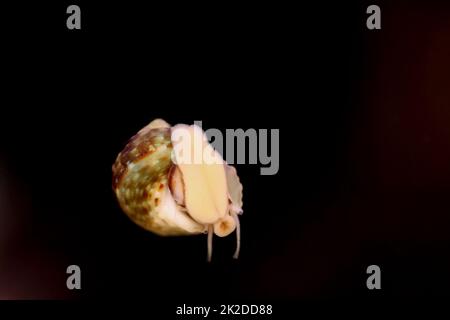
column 364, row 153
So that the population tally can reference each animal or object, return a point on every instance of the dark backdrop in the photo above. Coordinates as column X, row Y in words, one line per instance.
column 364, row 152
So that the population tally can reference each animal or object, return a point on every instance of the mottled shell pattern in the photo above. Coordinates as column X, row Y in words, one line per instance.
column 150, row 188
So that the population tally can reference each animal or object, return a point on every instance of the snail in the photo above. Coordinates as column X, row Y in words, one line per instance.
column 170, row 181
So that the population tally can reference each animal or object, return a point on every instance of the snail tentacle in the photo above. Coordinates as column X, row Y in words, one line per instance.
column 210, row 242
column 238, row 235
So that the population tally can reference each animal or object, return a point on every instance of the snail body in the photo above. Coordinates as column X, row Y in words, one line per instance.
column 168, row 196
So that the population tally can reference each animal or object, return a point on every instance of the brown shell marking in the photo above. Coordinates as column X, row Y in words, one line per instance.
column 140, row 145
column 140, row 175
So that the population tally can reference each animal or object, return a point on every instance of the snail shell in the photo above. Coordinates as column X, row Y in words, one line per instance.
column 172, row 199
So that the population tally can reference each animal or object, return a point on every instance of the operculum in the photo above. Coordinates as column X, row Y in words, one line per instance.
column 203, row 174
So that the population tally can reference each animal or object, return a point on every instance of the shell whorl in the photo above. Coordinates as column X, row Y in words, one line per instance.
column 140, row 181
column 143, row 144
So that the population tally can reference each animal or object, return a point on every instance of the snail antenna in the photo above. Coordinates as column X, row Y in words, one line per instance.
column 238, row 236
column 210, row 241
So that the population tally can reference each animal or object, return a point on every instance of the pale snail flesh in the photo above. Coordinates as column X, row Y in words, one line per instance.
column 172, row 198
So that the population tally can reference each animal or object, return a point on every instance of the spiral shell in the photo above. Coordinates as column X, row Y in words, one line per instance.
column 153, row 191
